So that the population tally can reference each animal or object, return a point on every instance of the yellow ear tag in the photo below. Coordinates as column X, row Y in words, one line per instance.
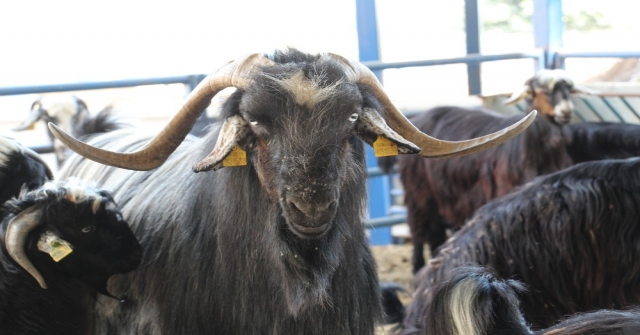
column 56, row 247
column 237, row 157
column 383, row 147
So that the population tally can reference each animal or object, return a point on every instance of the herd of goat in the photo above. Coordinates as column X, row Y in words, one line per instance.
column 258, row 227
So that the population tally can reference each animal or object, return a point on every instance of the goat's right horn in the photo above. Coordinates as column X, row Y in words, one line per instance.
column 153, row 154
column 17, row 231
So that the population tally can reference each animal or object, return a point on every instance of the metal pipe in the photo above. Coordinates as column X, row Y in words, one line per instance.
column 376, row 65
column 95, row 85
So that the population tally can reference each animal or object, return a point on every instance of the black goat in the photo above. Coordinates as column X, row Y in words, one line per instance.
column 38, row 229
column 603, row 140
column 274, row 247
column 442, row 193
column 72, row 115
column 20, row 166
column 472, row 301
column 571, row 237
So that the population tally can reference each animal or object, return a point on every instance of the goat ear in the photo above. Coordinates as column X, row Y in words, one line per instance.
column 371, row 126
column 518, row 95
column 233, row 131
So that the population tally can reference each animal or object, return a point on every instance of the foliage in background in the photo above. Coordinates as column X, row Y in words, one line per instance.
column 516, row 16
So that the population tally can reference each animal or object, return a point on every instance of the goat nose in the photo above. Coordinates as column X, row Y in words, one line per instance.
column 311, row 208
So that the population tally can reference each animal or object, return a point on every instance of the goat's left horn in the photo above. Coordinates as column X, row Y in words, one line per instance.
column 153, row 154
column 16, row 236
column 430, row 147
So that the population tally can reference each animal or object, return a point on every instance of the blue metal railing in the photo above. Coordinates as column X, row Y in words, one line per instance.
column 560, row 57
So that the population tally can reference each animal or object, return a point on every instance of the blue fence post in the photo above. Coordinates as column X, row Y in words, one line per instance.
column 378, row 187
column 472, row 29
column 548, row 28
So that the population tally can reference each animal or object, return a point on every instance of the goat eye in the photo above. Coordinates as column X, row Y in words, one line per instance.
column 87, row 229
column 353, row 117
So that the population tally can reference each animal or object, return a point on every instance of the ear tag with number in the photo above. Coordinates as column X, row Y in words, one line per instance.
column 56, row 247
column 237, row 157
column 383, row 147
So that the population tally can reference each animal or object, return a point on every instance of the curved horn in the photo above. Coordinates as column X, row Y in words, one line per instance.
column 154, row 153
column 431, row 147
column 518, row 95
column 15, row 239
column 34, row 116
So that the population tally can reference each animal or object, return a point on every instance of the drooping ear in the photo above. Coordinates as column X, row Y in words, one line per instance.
column 233, row 131
column 519, row 94
column 371, row 125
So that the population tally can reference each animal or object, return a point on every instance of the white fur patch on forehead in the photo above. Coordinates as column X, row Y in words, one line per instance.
column 307, row 91
column 76, row 191
column 59, row 106
column 548, row 78
column 8, row 146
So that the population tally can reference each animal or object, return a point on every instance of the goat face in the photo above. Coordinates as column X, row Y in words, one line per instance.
column 85, row 218
column 301, row 129
column 59, row 110
column 549, row 92
column 103, row 244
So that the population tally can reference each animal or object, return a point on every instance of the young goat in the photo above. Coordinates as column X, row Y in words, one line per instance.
column 70, row 238
column 472, row 301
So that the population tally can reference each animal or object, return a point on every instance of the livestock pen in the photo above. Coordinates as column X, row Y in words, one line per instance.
column 383, row 207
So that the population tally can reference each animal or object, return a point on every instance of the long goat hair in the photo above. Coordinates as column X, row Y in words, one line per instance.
column 570, row 237
column 474, row 301
column 20, row 167
column 603, row 140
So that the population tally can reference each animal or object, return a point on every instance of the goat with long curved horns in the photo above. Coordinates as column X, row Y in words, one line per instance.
column 274, row 247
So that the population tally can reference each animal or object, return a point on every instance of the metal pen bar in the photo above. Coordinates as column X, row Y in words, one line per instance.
column 376, row 65
column 189, row 79
column 386, row 221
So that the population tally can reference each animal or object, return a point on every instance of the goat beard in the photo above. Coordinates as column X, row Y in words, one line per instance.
column 307, row 265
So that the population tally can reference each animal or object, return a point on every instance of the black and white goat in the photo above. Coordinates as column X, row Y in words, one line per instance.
column 474, row 301
column 571, row 237
column 276, row 246
column 20, row 166
column 59, row 245
column 72, row 115
column 441, row 194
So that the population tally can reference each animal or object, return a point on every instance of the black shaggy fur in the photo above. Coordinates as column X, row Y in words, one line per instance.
column 571, row 237
column 473, row 301
column 443, row 193
column 107, row 249
column 603, row 140
column 391, row 304
column 20, row 167
column 221, row 256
